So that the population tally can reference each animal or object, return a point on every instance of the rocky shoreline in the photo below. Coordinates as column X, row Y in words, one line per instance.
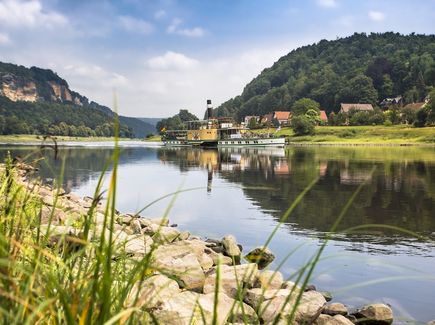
column 195, row 280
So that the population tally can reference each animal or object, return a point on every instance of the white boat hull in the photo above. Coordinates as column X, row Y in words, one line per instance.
column 266, row 142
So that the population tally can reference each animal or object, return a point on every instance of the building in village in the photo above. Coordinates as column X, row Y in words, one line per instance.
column 345, row 108
column 283, row 117
column 323, row 117
column 393, row 101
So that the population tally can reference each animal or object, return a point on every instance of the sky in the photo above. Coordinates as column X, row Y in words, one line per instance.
column 160, row 56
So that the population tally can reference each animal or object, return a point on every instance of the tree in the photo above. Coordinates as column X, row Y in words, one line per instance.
column 303, row 125
column 253, row 123
column 314, row 116
column 408, row 116
column 303, row 105
column 421, row 117
column 431, row 108
column 359, row 90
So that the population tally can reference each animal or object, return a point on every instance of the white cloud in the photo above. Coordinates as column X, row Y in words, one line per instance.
column 159, row 14
column 174, row 28
column 376, row 15
column 171, row 61
column 132, row 24
column 95, row 72
column 327, row 3
column 4, row 39
column 17, row 13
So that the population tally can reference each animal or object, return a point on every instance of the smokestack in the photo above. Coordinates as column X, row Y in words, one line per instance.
column 209, row 109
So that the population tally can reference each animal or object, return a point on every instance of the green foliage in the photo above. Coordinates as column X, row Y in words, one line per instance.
column 303, row 105
column 359, row 68
column 56, row 119
column 431, row 108
column 303, row 125
column 176, row 122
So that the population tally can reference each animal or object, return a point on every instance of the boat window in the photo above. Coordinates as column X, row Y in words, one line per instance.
column 246, row 142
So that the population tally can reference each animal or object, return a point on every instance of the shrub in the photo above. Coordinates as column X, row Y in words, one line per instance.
column 303, row 125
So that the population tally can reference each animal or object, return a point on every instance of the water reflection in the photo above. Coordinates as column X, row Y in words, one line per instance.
column 397, row 193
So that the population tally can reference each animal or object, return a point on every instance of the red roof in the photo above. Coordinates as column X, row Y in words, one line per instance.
column 280, row 115
column 323, row 116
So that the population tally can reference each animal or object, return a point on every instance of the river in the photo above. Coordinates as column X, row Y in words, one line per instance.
column 246, row 192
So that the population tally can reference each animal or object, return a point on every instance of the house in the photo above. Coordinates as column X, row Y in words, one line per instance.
column 250, row 117
column 393, row 101
column 415, row 106
column 323, row 117
column 267, row 119
column 283, row 117
column 345, row 108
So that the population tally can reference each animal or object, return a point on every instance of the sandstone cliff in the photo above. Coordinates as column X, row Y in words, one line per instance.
column 32, row 85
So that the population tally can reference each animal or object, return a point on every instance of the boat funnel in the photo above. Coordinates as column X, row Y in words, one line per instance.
column 209, row 109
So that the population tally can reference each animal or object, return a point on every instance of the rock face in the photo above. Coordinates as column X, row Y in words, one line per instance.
column 17, row 88
column 260, row 255
column 375, row 314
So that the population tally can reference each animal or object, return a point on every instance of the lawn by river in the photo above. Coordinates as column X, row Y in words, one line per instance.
column 388, row 135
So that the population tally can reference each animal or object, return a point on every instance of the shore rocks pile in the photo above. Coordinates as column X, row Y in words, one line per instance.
column 192, row 277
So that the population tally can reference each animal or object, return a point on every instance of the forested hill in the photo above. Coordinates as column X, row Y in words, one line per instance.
column 359, row 68
column 38, row 101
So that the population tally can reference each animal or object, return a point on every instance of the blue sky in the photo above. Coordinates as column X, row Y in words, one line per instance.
column 164, row 55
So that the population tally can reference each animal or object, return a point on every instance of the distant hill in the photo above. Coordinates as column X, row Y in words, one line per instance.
column 151, row 120
column 357, row 69
column 140, row 128
column 38, row 101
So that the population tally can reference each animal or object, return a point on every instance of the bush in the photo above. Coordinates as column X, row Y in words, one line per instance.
column 303, row 125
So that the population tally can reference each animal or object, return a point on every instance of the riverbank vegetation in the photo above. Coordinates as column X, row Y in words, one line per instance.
column 380, row 135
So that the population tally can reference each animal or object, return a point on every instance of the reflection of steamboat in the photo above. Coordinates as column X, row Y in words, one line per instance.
column 222, row 132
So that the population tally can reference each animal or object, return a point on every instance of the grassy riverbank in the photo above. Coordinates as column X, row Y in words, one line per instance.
column 14, row 138
column 370, row 135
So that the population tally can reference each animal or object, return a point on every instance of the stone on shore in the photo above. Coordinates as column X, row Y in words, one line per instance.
column 270, row 279
column 231, row 248
column 232, row 279
column 335, row 309
column 280, row 308
column 375, row 314
column 324, row 319
column 262, row 256
column 254, row 297
column 194, row 308
column 152, row 292
column 185, row 269
column 290, row 285
column 136, row 226
column 166, row 235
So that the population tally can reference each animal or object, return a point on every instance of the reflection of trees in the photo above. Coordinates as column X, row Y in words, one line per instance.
column 398, row 192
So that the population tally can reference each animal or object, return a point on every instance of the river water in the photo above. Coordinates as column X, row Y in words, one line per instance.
column 245, row 192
